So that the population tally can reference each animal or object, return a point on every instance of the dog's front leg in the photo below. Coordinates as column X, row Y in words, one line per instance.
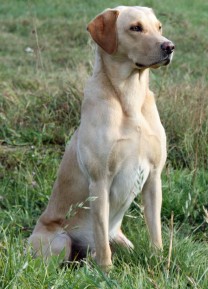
column 152, row 201
column 100, row 220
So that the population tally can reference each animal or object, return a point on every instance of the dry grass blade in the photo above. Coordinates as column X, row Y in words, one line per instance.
column 192, row 282
column 206, row 214
column 171, row 242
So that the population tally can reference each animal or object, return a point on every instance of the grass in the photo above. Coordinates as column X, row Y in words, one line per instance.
column 40, row 97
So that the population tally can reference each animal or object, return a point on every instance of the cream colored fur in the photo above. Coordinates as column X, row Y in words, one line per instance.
column 119, row 148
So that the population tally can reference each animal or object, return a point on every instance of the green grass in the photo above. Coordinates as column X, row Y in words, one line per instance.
column 40, row 97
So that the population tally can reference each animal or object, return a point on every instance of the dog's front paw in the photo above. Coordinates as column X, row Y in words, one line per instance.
column 105, row 264
column 106, row 268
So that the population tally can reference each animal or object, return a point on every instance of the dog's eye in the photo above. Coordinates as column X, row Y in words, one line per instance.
column 160, row 27
column 137, row 28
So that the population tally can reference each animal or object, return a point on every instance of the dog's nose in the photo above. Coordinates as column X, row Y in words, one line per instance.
column 168, row 47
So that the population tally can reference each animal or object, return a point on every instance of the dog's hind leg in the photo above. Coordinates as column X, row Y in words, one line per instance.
column 49, row 236
column 122, row 240
column 45, row 243
column 51, row 233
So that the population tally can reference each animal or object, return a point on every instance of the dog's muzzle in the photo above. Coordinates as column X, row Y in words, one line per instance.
column 167, row 48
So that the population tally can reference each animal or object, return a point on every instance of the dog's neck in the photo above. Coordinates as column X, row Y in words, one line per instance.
column 130, row 84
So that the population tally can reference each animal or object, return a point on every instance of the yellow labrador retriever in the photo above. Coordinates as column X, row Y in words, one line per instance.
column 119, row 148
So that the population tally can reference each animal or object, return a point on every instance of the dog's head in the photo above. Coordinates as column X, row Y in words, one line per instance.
column 132, row 32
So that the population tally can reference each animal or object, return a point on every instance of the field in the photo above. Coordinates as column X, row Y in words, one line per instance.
column 46, row 57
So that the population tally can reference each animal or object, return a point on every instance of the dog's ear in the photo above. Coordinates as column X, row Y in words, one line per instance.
column 103, row 30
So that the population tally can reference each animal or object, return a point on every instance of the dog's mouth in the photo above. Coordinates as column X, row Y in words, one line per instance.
column 163, row 62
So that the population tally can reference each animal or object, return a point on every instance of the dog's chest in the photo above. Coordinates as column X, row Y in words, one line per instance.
column 127, row 184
